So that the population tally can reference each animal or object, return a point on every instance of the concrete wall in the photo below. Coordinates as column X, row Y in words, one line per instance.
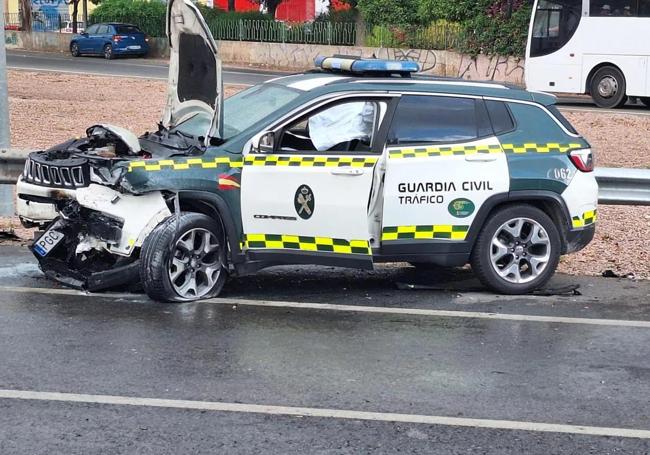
column 298, row 57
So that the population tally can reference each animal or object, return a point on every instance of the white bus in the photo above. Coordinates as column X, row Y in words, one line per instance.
column 598, row 47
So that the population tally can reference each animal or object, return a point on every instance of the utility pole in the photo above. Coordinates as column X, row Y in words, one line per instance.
column 6, row 191
column 4, row 94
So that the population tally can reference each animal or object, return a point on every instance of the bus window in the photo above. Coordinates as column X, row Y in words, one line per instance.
column 644, row 8
column 613, row 8
column 555, row 23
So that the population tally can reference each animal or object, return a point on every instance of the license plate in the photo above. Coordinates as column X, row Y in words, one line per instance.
column 134, row 47
column 47, row 242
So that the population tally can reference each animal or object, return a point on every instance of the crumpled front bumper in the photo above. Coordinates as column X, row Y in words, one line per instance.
column 103, row 231
column 99, row 270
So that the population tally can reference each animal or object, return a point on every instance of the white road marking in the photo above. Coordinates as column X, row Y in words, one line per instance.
column 359, row 309
column 324, row 413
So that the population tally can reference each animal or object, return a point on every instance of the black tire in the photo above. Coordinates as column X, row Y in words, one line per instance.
column 481, row 260
column 108, row 52
column 613, row 79
column 645, row 100
column 74, row 49
column 159, row 250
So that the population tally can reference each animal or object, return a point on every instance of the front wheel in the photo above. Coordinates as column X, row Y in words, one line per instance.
column 108, row 52
column 608, row 88
column 74, row 50
column 184, row 259
column 517, row 251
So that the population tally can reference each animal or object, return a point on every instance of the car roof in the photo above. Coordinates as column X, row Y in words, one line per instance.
column 326, row 81
column 119, row 23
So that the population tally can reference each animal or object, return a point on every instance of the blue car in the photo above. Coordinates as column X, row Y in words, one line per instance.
column 110, row 40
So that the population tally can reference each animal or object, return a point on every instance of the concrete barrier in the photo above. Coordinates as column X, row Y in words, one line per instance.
column 299, row 57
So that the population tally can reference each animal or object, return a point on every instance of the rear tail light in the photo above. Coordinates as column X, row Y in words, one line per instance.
column 117, row 38
column 583, row 159
column 146, row 38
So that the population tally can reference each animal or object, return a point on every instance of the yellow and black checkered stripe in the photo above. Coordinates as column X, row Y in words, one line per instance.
column 586, row 219
column 550, row 147
column 303, row 243
column 452, row 150
column 448, row 232
column 459, row 150
column 254, row 160
column 310, row 161
column 185, row 164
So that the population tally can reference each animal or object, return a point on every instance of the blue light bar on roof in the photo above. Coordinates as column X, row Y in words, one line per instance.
column 364, row 66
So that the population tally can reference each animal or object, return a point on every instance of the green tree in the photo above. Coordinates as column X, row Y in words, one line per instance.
column 394, row 12
column 451, row 10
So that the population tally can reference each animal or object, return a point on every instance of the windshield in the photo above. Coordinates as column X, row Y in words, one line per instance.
column 126, row 29
column 195, row 126
column 246, row 108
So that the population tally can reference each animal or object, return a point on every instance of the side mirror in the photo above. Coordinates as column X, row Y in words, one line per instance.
column 83, row 33
column 266, row 143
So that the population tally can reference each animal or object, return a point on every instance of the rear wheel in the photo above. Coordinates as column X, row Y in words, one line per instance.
column 108, row 52
column 645, row 100
column 184, row 259
column 74, row 50
column 608, row 87
column 517, row 250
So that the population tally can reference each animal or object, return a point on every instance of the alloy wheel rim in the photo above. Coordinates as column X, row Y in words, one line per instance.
column 608, row 87
column 195, row 266
column 520, row 250
column 108, row 51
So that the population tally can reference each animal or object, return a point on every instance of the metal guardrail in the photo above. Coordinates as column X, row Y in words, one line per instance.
column 623, row 186
column 617, row 186
column 12, row 163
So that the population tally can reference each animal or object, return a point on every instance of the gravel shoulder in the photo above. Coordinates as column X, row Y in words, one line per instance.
column 49, row 108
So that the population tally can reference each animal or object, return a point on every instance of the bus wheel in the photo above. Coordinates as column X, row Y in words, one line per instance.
column 645, row 100
column 608, row 88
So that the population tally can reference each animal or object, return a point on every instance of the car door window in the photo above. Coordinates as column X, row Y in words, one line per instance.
column 92, row 30
column 437, row 119
column 102, row 30
column 339, row 128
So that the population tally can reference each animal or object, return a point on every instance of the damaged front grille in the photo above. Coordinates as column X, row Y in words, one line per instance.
column 41, row 168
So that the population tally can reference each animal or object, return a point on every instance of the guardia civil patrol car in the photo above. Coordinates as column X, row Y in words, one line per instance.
column 357, row 162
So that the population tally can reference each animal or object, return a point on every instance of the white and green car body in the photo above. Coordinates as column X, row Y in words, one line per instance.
column 341, row 167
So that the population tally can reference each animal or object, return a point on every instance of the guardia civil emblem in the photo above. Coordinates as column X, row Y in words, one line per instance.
column 304, row 202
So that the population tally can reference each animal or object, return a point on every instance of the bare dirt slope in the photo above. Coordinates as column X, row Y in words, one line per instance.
column 48, row 108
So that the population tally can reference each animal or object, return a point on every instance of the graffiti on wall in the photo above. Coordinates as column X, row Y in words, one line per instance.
column 426, row 58
column 11, row 39
column 433, row 62
column 492, row 68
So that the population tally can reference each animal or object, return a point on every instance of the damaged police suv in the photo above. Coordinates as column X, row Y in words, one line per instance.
column 355, row 163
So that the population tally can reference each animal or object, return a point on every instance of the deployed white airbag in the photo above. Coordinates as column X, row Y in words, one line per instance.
column 342, row 123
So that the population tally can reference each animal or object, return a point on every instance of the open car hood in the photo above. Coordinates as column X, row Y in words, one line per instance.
column 195, row 84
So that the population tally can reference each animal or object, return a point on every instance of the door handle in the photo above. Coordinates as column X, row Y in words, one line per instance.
column 353, row 171
column 481, row 157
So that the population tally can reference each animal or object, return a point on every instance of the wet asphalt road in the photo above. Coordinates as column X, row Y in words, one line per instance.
column 123, row 67
column 236, row 351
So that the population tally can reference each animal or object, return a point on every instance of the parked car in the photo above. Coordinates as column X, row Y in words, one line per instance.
column 353, row 164
column 110, row 40
column 67, row 27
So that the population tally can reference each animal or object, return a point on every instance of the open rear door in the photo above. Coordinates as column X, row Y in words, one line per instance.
column 195, row 84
